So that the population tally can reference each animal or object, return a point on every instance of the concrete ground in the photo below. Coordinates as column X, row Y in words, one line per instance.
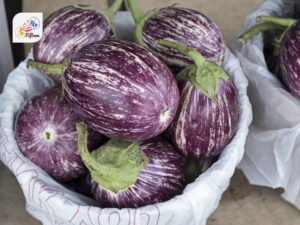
column 242, row 204
column 245, row 204
column 12, row 201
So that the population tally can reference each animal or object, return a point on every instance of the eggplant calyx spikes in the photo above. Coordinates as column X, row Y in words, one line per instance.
column 204, row 75
column 114, row 166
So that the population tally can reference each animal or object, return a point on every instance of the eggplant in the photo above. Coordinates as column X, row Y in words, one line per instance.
column 208, row 114
column 288, row 48
column 69, row 29
column 119, row 89
column 186, row 26
column 45, row 130
column 271, row 52
column 290, row 59
column 132, row 174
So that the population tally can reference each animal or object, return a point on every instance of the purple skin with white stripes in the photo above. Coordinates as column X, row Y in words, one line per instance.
column 121, row 90
column 185, row 26
column 68, row 30
column 208, row 114
column 45, row 130
column 161, row 179
column 201, row 128
column 290, row 59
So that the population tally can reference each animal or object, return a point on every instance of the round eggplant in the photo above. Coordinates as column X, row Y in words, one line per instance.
column 119, row 89
column 69, row 29
column 185, row 26
column 208, row 114
column 45, row 130
column 125, row 174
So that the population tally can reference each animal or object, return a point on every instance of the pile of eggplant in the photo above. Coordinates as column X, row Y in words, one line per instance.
column 284, row 51
column 128, row 124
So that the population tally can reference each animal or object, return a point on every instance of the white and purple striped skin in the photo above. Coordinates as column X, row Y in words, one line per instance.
column 121, row 90
column 185, row 26
column 290, row 59
column 45, row 130
column 201, row 129
column 161, row 179
column 68, row 30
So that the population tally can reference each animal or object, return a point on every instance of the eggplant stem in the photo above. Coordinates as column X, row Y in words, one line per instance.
column 190, row 52
column 204, row 75
column 116, row 165
column 51, row 68
column 259, row 28
column 286, row 22
column 86, row 156
column 113, row 9
column 136, row 11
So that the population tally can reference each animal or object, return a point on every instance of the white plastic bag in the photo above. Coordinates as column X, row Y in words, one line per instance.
column 52, row 203
column 273, row 144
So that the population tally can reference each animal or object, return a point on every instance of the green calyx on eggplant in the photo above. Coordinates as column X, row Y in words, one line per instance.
column 204, row 75
column 116, row 165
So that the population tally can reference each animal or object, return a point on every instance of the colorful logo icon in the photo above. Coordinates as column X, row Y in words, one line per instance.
column 19, row 32
column 27, row 27
column 35, row 22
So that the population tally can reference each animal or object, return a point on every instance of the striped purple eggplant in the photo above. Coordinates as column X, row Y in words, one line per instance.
column 69, row 29
column 208, row 114
column 202, row 128
column 120, row 89
column 290, row 59
column 45, row 130
column 159, row 177
column 288, row 44
column 181, row 25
